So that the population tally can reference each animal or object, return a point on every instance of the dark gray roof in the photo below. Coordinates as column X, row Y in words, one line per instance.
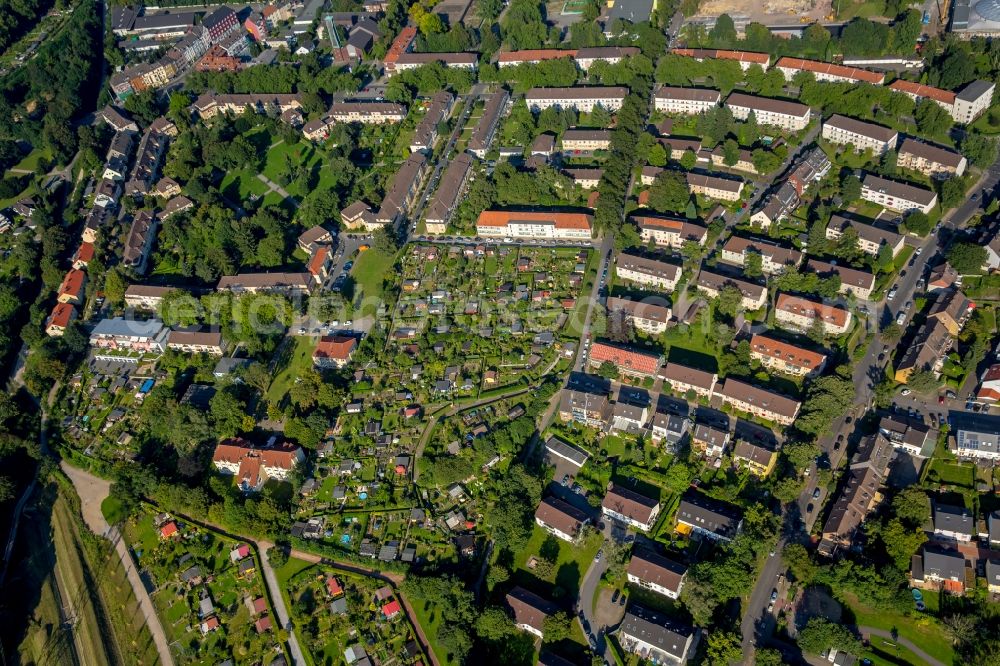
column 709, row 515
column 954, row 519
column 633, row 11
column 665, row 634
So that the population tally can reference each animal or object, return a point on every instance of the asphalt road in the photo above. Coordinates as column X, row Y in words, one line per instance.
column 595, row 295
column 758, row 625
column 588, row 588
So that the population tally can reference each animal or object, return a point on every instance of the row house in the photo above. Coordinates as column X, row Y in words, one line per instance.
column 366, row 113
column 629, row 507
column 712, row 284
column 560, row 519
column 627, row 361
column 529, row 610
column 871, row 239
column 859, row 495
column 708, row 518
column 926, row 352
column 685, row 101
column 482, row 136
column 758, row 459
column 930, row 160
column 669, row 429
column 611, row 55
column 681, row 379
column 253, row 466
column 402, row 190
column 647, row 272
column 576, row 140
column 759, row 402
column 516, row 224
column 209, row 105
column 778, row 205
column 827, row 71
column 62, row 315
column 786, row 358
column 442, row 205
column 670, row 232
column 714, row 187
column 975, row 436
column 953, row 523
column 256, row 283
column 588, row 408
column 860, row 135
column 710, row 441
column 940, row 570
column 588, row 179
column 192, row 46
column 952, row 309
column 812, row 167
column 852, row 281
column 145, row 297
column 196, row 342
column 656, row 637
column 790, row 116
column 426, row 132
column 147, row 163
column 801, row 314
column 581, row 98
column 130, row 335
column 744, row 161
column 910, row 435
column 531, row 56
column 746, row 59
column 656, row 573
column 648, row 317
column 359, row 215
column 407, row 61
column 774, row 258
column 72, row 287
column 139, row 242
column 901, row 197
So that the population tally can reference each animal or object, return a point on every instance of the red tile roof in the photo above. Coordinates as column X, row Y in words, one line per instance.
column 783, row 351
column 831, row 69
column 920, row 90
column 318, row 260
column 333, row 587
column 85, row 252
column 337, row 347
column 501, row 218
column 627, row 359
column 72, row 284
column 169, row 529
column 531, row 55
column 62, row 315
column 391, row 609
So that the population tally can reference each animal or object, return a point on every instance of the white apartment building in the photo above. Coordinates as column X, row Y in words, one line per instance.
column 670, row 232
column 714, row 187
column 581, row 98
column 930, row 160
column 870, row 238
column 648, row 317
column 685, row 101
column 897, row 196
column 799, row 314
column 656, row 573
column 972, row 101
column 647, row 272
column 827, row 71
column 711, row 284
column 852, row 281
column 785, row 358
column 859, row 134
column 774, row 258
column 575, row 140
column 512, row 224
column 790, row 116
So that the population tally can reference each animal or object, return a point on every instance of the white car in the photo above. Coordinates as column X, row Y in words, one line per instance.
column 905, row 391
column 900, row 318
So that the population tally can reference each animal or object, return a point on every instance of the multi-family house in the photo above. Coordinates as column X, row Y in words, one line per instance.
column 628, row 362
column 647, row 272
column 860, row 135
column 130, row 335
column 759, row 402
column 930, row 160
column 629, row 507
column 757, row 458
column 592, row 409
column 926, row 351
column 953, row 523
column 710, row 440
column 800, row 314
column 539, row 224
column 560, row 519
column 860, row 493
column 686, row 101
column 827, row 72
column 790, row 116
column 774, row 258
column 253, row 466
column 656, row 573
column 581, row 98
column 656, row 637
column 442, row 205
column 670, row 232
column 786, row 358
column 852, row 281
column 712, row 284
column 897, row 196
column 576, row 141
column 682, row 378
column 714, row 187
column 909, row 435
column 709, row 518
column 937, row 569
column 871, row 239
column 648, row 315
column 975, row 436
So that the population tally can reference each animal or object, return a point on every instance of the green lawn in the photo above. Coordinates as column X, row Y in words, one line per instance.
column 286, row 572
column 429, row 620
column 369, row 271
column 571, row 563
column 985, row 123
column 953, row 473
column 240, row 185
column 923, row 630
column 298, row 361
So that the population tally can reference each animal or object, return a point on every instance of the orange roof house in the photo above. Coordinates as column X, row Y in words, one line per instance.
column 628, row 362
column 84, row 255
column 168, row 530
column 391, row 609
column 333, row 587
column 254, row 466
column 919, row 90
column 534, row 224
column 71, row 289
column 334, row 351
column 59, row 320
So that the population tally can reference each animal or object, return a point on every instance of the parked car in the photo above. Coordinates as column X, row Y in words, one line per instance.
column 816, row 493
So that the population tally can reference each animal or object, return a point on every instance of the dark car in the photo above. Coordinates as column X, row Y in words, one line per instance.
column 816, row 493
column 809, row 509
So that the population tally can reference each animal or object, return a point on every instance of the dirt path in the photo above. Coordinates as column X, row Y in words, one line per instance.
column 92, row 491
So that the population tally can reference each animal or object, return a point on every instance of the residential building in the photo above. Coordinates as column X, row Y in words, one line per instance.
column 578, row 141
column 909, row 435
column 676, row 147
column 812, row 167
column 139, row 241
column 538, row 224
column 196, row 342
column 220, row 24
column 669, row 429
column 647, row 272
column 402, row 190
column 952, row 309
column 334, row 351
column 774, row 258
column 746, row 59
column 566, row 451
column 670, row 232
column 529, row 610
column 656, row 573
column 61, row 317
column 681, row 379
column 426, row 132
column 706, row 517
column 827, row 72
column 313, row 238
column 800, row 314
column 926, row 352
column 144, row 172
column 71, row 290
column 930, row 160
column 860, row 135
column 628, row 362
column 759, row 402
column 972, row 101
column 442, row 205
column 656, row 637
column 709, row 440
column 935, row 569
column 612, row 55
column 953, row 523
column 145, row 297
column 712, row 284
column 359, row 215
column 860, row 493
column 531, row 56
column 592, row 409
column 685, row 101
column 176, row 205
column 943, row 276
column 871, row 239
column 852, row 281
column 992, row 571
column 629, row 507
column 989, row 386
column 560, row 519
column 411, row 60
column 253, row 467
column 976, row 436
column 209, row 105
column 588, row 179
column 253, row 283
column 482, row 136
column 581, row 98
column 129, row 335
column 790, row 116
column 647, row 315
column 786, row 358
column 918, row 91
column 759, row 459
column 744, row 160
column 897, row 196
column 626, row 417
column 714, row 187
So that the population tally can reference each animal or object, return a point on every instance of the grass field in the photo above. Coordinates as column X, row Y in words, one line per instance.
column 368, row 272
column 953, row 473
column 299, row 359
column 924, row 630
column 571, row 562
column 429, row 619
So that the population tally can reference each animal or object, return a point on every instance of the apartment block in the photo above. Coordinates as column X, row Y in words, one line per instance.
column 670, row 232
column 860, row 135
column 446, row 199
column 646, row 315
column 852, row 281
column 685, row 101
column 774, row 258
column 581, row 98
column 790, row 116
column 930, row 160
column 513, row 224
column 711, row 284
column 870, row 238
column 647, row 272
column 897, row 196
column 799, row 314
column 827, row 71
column 575, row 140
column 786, row 358
column 714, row 187
column 759, row 402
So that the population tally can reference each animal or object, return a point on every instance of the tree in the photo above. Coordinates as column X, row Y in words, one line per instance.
column 826, row 398
column 884, row 259
column 723, row 33
column 931, row 118
column 753, row 265
column 608, row 370
column 557, row 627
column 923, row 382
column 850, row 187
column 730, row 300
column 966, row 258
column 820, row 634
column 730, row 152
column 917, row 223
column 953, row 192
column 114, row 286
column 901, row 542
column 912, row 506
column 493, row 624
column 724, row 648
column 799, row 563
column 769, row 656
column 800, row 454
column 979, row 149
column 669, row 192
column 961, row 628
column 658, row 155
column 688, row 159
column 891, row 334
column 386, row 241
